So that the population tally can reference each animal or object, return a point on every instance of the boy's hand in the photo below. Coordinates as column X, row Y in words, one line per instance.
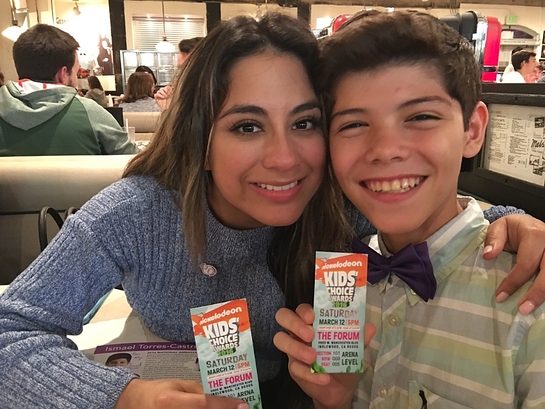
column 525, row 235
column 327, row 390
column 172, row 394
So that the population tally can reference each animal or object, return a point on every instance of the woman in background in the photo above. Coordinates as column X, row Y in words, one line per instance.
column 145, row 68
column 96, row 92
column 139, row 94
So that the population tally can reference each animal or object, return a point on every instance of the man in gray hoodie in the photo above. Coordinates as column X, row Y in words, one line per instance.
column 41, row 114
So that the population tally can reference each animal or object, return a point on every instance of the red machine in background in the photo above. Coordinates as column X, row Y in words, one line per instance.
column 482, row 31
column 485, row 35
column 338, row 22
column 491, row 55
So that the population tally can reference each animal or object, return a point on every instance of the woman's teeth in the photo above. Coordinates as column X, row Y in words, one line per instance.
column 394, row 186
column 277, row 188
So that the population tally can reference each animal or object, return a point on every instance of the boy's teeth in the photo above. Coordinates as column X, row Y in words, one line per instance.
column 394, row 186
column 277, row 188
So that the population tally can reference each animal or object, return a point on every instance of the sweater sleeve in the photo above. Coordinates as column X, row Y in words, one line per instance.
column 112, row 138
column 39, row 366
column 360, row 224
column 495, row 212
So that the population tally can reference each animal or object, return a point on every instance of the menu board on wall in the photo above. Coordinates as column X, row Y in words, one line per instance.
column 515, row 142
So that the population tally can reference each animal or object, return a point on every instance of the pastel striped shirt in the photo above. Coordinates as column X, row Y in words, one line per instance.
column 461, row 349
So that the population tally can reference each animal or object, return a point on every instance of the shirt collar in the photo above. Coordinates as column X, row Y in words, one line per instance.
column 448, row 247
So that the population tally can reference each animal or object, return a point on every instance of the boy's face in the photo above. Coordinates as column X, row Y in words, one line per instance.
column 397, row 141
column 118, row 362
column 528, row 67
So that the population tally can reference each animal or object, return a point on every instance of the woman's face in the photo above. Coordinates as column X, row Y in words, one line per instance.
column 267, row 150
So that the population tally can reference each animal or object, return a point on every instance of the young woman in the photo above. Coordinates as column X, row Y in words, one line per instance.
column 96, row 92
column 241, row 152
column 148, row 70
column 230, row 200
column 139, row 94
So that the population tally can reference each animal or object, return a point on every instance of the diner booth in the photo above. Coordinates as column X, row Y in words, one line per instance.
column 510, row 168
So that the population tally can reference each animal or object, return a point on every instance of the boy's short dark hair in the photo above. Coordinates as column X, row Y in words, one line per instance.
column 520, row 56
column 187, row 45
column 373, row 39
column 41, row 51
column 121, row 355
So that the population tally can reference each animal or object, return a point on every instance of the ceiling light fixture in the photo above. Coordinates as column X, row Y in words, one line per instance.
column 14, row 31
column 164, row 46
column 76, row 9
column 259, row 12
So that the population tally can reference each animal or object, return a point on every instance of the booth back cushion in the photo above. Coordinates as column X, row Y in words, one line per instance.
column 29, row 183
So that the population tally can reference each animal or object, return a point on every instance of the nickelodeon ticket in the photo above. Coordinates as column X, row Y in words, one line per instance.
column 339, row 306
column 226, row 352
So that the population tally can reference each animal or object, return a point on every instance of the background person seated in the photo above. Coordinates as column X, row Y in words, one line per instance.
column 146, row 69
column 186, row 46
column 164, row 95
column 96, row 92
column 41, row 114
column 139, row 94
column 524, row 62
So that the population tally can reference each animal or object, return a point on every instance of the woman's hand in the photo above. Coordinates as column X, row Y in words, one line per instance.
column 172, row 394
column 163, row 97
column 327, row 390
column 525, row 235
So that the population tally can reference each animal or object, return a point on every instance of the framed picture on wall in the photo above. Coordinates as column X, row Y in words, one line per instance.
column 543, row 38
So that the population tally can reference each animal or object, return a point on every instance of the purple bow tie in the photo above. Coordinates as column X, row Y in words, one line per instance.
column 411, row 264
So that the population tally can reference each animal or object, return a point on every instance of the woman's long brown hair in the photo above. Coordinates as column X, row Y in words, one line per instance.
column 176, row 154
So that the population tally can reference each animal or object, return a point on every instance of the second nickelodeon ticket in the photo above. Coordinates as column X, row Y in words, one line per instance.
column 339, row 308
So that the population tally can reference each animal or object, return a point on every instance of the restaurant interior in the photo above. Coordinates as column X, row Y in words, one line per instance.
column 133, row 30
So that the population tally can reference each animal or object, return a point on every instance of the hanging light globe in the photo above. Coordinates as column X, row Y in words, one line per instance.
column 165, row 46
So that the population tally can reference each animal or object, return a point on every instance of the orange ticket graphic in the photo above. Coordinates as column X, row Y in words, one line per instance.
column 347, row 266
column 232, row 311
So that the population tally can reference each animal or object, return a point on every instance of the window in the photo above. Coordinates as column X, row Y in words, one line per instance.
column 148, row 31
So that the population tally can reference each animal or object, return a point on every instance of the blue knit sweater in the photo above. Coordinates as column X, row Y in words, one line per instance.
column 130, row 233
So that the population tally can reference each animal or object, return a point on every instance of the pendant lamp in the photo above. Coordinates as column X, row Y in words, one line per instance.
column 165, row 45
column 76, row 9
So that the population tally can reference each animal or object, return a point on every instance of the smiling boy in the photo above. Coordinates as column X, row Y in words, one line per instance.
column 403, row 111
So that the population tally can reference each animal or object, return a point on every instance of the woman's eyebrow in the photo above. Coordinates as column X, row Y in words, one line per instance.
column 244, row 109
column 306, row 107
column 257, row 110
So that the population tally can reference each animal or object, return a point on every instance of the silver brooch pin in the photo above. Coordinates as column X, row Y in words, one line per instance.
column 208, row 270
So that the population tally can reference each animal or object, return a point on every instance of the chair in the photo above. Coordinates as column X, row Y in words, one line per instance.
column 42, row 223
column 117, row 113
